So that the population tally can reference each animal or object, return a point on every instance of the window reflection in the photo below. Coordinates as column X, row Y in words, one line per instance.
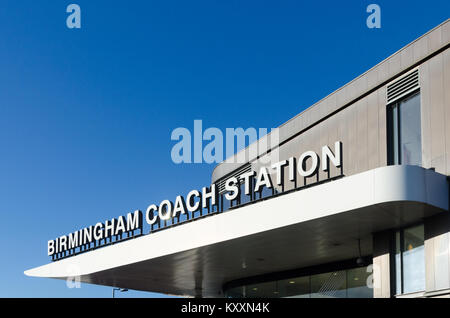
column 404, row 132
column 357, row 282
column 264, row 290
column 410, row 260
column 329, row 285
column 298, row 287
column 410, row 135
column 351, row 283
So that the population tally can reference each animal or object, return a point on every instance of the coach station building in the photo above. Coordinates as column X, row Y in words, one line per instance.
column 356, row 204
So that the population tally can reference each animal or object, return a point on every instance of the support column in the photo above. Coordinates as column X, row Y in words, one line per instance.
column 437, row 255
column 382, row 263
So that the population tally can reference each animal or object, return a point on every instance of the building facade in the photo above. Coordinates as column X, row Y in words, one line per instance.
column 356, row 204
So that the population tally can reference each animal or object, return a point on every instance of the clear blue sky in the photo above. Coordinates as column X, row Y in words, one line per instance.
column 86, row 115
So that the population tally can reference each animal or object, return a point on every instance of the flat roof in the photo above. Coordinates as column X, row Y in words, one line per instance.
column 199, row 257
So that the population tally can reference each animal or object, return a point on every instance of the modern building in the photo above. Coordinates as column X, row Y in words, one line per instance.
column 357, row 204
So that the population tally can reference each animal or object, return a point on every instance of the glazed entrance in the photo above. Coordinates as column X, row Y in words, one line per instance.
column 349, row 283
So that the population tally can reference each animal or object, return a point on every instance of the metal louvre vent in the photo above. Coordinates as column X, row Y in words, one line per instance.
column 221, row 183
column 403, row 86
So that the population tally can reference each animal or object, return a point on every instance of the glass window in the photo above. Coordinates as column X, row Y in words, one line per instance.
column 410, row 260
column 413, row 260
column 404, row 132
column 236, row 292
column 298, row 287
column 357, row 282
column 329, row 285
column 398, row 261
column 351, row 283
column 263, row 290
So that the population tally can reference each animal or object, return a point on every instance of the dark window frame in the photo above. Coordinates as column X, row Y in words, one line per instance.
column 393, row 127
column 400, row 290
